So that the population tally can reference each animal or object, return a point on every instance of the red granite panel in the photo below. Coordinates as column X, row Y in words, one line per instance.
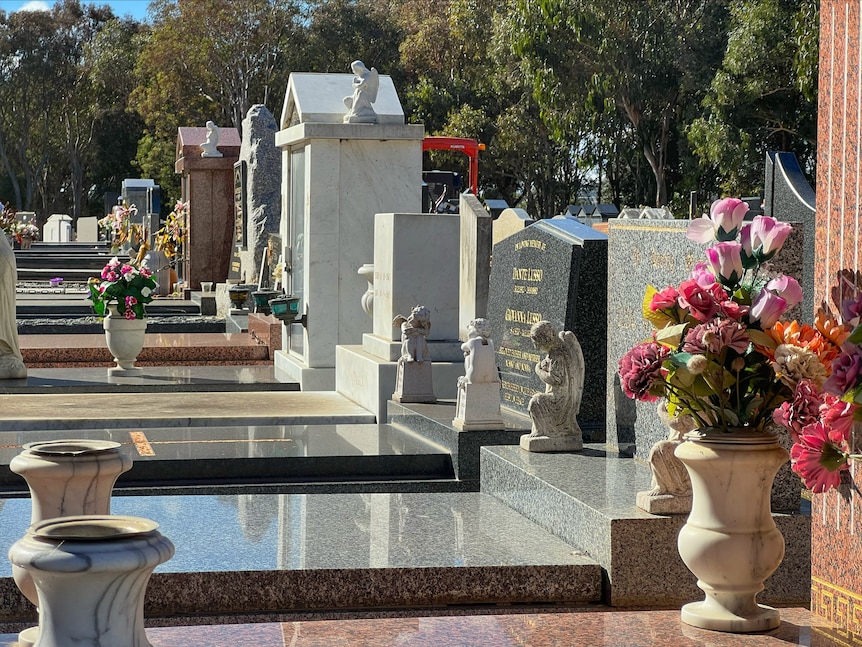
column 836, row 544
column 849, row 136
column 825, row 157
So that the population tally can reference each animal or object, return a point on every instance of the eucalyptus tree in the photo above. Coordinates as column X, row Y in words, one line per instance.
column 763, row 97
column 646, row 60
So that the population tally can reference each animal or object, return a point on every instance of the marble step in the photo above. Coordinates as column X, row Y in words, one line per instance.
column 24, row 412
column 313, row 553
column 587, row 500
column 259, row 458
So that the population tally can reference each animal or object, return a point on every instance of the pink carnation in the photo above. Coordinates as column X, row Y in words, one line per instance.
column 639, row 370
column 802, row 410
column 837, row 416
column 714, row 335
column 126, row 269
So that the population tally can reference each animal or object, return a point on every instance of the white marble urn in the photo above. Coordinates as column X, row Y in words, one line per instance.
column 91, row 574
column 730, row 541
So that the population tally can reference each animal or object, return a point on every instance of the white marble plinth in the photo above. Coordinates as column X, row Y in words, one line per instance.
column 290, row 368
column 478, row 407
column 414, row 383
column 663, row 503
column 568, row 443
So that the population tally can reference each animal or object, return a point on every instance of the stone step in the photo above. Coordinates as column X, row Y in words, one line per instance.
column 40, row 412
column 587, row 500
column 258, row 458
column 268, row 554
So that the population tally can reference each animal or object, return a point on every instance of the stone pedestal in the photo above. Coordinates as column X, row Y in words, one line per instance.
column 413, row 383
column 552, row 443
column 207, row 185
column 478, row 408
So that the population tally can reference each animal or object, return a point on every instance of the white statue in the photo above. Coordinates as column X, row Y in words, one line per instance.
column 366, row 83
column 670, row 488
column 210, row 147
column 413, row 381
column 11, row 362
column 414, row 330
column 553, row 412
column 478, row 404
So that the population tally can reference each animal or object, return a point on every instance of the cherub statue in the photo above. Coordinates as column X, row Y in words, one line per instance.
column 414, row 330
column 670, row 487
column 553, row 412
column 366, row 83
column 11, row 362
column 480, row 366
column 210, row 147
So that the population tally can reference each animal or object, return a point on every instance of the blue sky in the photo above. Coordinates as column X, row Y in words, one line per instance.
column 134, row 8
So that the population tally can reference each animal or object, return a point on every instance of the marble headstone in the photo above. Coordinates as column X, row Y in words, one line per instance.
column 554, row 270
column 511, row 221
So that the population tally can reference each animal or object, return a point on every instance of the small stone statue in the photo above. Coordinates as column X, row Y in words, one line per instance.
column 210, row 147
column 555, row 425
column 366, row 83
column 11, row 361
column 670, row 488
column 414, row 330
column 413, row 381
column 478, row 405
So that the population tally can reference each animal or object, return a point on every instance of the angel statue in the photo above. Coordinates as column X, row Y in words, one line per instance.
column 414, row 330
column 366, row 83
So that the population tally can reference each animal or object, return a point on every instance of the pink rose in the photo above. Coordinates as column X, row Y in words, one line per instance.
column 725, row 260
column 767, row 309
column 765, row 237
column 725, row 217
column 664, row 299
column 701, row 303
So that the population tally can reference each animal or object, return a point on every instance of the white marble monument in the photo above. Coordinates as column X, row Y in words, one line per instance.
column 58, row 229
column 335, row 177
column 478, row 403
column 554, row 412
column 407, row 270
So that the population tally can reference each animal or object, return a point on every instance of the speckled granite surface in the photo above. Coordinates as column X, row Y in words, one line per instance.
column 588, row 500
column 297, row 552
column 576, row 628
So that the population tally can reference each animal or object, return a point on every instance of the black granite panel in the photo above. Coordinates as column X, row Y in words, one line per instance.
column 555, row 271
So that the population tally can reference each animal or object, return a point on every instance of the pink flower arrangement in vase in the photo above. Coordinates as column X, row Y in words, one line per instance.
column 709, row 355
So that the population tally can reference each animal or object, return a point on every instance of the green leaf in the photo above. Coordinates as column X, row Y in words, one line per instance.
column 856, row 336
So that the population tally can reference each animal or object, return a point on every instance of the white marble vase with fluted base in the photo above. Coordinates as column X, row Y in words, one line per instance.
column 125, row 339
column 91, row 574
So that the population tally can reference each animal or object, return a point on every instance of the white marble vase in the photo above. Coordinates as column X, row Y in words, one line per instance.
column 730, row 541
column 125, row 338
column 66, row 478
column 91, row 574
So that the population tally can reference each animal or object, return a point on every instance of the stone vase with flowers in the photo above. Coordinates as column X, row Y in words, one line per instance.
column 120, row 295
column 712, row 359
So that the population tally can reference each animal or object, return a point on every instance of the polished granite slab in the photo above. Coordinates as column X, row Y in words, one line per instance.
column 598, row 627
column 588, row 500
column 152, row 379
column 173, row 459
column 36, row 412
column 307, row 552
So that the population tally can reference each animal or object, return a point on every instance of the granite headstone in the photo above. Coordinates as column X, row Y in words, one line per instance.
column 657, row 253
column 789, row 197
column 554, row 270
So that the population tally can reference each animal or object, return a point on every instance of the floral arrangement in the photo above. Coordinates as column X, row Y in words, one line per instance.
column 118, row 226
column 7, row 220
column 172, row 235
column 26, row 230
column 825, row 403
column 710, row 355
column 128, row 286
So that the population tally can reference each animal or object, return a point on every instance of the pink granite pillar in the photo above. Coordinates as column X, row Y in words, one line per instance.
column 836, row 521
column 208, row 188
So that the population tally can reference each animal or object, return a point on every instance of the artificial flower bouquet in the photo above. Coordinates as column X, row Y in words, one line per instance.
column 710, row 354
column 8, row 223
column 170, row 238
column 124, row 284
column 26, row 230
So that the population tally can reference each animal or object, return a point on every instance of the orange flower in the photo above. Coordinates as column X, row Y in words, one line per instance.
column 804, row 336
column 829, row 327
